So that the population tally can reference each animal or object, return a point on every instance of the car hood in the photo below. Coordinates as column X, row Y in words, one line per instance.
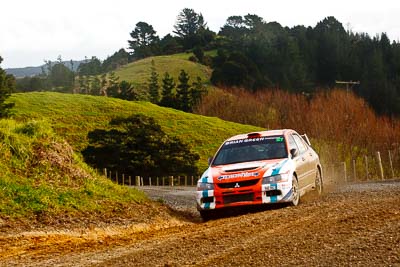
column 243, row 171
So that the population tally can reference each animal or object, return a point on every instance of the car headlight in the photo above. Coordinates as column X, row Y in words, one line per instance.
column 275, row 179
column 204, row 186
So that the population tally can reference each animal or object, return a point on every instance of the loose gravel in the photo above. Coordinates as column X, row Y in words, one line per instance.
column 354, row 225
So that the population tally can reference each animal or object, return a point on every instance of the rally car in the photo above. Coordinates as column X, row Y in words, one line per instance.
column 259, row 168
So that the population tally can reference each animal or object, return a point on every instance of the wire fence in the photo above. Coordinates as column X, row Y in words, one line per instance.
column 363, row 168
column 151, row 181
column 380, row 166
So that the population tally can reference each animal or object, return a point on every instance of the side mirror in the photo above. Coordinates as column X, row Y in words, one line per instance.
column 305, row 138
column 294, row 152
column 210, row 159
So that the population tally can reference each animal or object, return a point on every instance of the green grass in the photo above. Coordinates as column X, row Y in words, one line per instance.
column 42, row 171
column 138, row 72
column 73, row 116
column 40, row 174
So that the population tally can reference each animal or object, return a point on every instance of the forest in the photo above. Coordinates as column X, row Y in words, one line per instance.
column 253, row 54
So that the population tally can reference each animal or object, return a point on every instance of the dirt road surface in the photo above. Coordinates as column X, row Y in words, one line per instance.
column 356, row 225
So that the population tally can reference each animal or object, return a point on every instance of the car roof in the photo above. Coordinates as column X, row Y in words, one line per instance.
column 260, row 134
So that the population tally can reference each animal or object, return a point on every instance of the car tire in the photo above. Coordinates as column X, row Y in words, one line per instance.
column 206, row 215
column 295, row 192
column 319, row 186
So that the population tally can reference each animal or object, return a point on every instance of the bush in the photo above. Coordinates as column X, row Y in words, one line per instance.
column 137, row 146
column 193, row 59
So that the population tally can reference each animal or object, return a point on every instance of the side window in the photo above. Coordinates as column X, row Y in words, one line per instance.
column 300, row 144
column 292, row 143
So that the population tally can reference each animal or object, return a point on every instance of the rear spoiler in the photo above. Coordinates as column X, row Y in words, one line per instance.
column 305, row 137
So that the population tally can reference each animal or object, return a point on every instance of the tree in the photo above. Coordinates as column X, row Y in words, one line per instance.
column 154, row 88
column 113, row 85
column 61, row 77
column 144, row 40
column 7, row 85
column 92, row 67
column 191, row 29
column 188, row 23
column 168, row 87
column 95, row 86
column 199, row 53
column 197, row 92
column 103, row 84
column 119, row 58
column 332, row 38
column 170, row 45
column 183, row 93
column 127, row 92
column 137, row 146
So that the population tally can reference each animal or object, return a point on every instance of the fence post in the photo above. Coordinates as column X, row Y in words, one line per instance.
column 378, row 157
column 354, row 170
column 150, row 181
column 366, row 166
column 123, row 179
column 192, row 181
column 141, row 180
column 158, row 183
column 185, row 180
column 137, row 182
column 130, row 180
column 344, row 170
column 116, row 177
column 105, row 172
column 391, row 164
column 171, row 180
column 163, row 181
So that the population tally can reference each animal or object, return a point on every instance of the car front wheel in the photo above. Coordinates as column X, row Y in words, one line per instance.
column 318, row 183
column 207, row 215
column 295, row 192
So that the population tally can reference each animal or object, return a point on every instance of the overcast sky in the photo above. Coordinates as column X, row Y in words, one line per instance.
column 31, row 31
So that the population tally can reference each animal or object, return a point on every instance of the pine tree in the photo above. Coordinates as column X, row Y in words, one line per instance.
column 103, row 84
column 183, row 92
column 168, row 86
column 7, row 85
column 95, row 86
column 127, row 91
column 113, row 87
column 197, row 92
column 153, row 85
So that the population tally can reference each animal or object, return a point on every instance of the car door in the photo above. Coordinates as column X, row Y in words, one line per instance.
column 301, row 167
column 311, row 158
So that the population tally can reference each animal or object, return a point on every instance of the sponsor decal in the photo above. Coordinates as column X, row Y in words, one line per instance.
column 238, row 175
column 252, row 140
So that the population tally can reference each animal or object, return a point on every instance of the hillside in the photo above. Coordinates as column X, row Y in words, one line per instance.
column 138, row 72
column 73, row 116
column 45, row 180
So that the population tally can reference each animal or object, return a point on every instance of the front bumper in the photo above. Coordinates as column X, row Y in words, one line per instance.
column 254, row 195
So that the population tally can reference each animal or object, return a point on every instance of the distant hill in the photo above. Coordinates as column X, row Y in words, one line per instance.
column 32, row 71
column 138, row 72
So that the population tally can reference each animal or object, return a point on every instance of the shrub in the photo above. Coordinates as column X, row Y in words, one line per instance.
column 137, row 146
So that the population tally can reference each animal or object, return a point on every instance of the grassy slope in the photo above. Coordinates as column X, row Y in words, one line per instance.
column 73, row 116
column 41, row 176
column 138, row 72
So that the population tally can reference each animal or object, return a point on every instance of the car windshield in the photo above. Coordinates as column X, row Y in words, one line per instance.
column 251, row 149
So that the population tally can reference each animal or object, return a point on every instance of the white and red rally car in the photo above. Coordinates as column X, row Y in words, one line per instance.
column 259, row 168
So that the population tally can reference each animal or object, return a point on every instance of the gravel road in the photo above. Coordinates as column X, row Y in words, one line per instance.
column 355, row 225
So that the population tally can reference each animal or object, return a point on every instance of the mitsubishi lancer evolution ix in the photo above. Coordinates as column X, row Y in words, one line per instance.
column 259, row 168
